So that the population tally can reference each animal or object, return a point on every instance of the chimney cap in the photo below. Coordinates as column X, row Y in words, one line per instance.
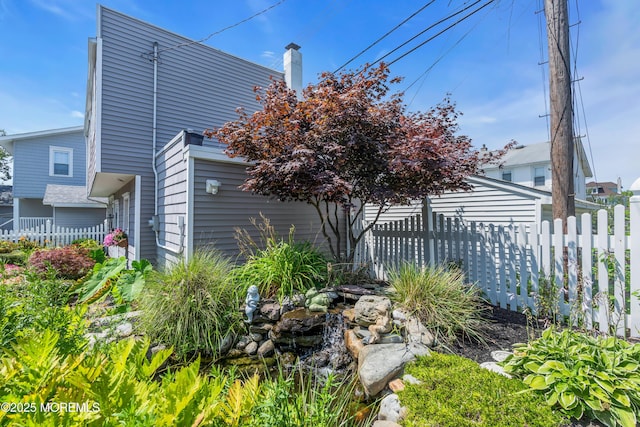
column 292, row 46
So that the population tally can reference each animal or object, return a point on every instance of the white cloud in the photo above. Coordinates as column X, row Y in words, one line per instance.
column 268, row 54
column 77, row 114
column 70, row 10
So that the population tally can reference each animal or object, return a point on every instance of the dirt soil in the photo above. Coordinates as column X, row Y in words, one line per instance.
column 502, row 329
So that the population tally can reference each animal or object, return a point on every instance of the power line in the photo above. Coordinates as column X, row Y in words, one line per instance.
column 384, row 36
column 427, row 29
column 441, row 32
column 223, row 29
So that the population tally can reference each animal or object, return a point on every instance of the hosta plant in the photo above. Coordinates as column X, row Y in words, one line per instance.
column 581, row 375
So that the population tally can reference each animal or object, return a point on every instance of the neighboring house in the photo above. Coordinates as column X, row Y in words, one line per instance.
column 49, row 175
column 6, row 207
column 530, row 165
column 491, row 201
column 150, row 95
column 602, row 192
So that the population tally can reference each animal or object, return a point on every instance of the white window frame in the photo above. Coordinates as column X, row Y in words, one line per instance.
column 126, row 205
column 116, row 214
column 510, row 173
column 52, row 150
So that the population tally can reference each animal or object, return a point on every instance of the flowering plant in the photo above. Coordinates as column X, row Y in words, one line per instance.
column 116, row 236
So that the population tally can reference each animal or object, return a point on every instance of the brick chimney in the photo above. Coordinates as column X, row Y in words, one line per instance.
column 293, row 68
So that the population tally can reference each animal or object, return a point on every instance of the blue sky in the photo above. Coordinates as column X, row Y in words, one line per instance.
column 488, row 63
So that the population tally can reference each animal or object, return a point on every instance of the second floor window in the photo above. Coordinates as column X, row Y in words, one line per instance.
column 506, row 176
column 60, row 161
column 538, row 177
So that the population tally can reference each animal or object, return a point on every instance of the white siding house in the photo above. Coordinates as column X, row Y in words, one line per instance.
column 530, row 165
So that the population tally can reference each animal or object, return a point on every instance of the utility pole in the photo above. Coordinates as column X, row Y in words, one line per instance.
column 562, row 191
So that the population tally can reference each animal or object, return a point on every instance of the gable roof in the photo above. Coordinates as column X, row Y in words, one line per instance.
column 8, row 140
column 538, row 153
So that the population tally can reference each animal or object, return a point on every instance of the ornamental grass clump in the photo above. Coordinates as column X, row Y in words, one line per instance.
column 279, row 267
column 440, row 298
column 192, row 305
column 582, row 376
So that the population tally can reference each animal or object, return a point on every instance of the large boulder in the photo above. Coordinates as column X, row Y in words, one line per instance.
column 380, row 363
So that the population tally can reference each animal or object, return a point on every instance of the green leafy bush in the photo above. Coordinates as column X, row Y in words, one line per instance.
column 457, row 392
column 17, row 257
column 6, row 246
column 192, row 305
column 581, row 375
column 69, row 262
column 440, row 298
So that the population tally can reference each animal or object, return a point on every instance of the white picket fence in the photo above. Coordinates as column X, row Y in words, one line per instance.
column 516, row 266
column 48, row 234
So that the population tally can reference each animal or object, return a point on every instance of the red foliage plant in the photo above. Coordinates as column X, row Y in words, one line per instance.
column 346, row 143
column 70, row 262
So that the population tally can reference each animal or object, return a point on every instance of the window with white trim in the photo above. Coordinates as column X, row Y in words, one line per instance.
column 538, row 177
column 506, row 176
column 126, row 197
column 116, row 214
column 60, row 161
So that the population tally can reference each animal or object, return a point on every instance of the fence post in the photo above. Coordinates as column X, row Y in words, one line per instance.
column 634, row 246
column 427, row 229
column 47, row 235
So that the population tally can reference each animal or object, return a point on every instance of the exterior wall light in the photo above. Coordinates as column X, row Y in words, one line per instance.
column 212, row 186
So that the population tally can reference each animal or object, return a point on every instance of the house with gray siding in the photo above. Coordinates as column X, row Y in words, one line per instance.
column 49, row 176
column 150, row 95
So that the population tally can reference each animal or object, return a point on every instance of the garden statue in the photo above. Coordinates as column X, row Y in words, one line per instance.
column 251, row 302
column 317, row 301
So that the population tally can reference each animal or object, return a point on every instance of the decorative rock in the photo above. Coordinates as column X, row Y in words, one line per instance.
column 369, row 308
column 266, row 348
column 400, row 315
column 410, row 379
column 157, row 348
column 251, row 348
column 271, row 311
column 390, row 409
column 353, row 290
column 396, row 385
column 226, row 343
column 262, row 328
column 353, row 343
column 382, row 326
column 379, row 364
column 385, row 423
column 242, row 342
column 349, row 314
column 116, row 318
column 390, row 339
column 494, row 367
column 418, row 333
column 255, row 336
column 500, row 355
column 124, row 330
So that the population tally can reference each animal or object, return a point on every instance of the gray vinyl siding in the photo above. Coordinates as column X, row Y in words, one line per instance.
column 393, row 213
column 79, row 217
column 34, row 208
column 216, row 216
column 198, row 87
column 31, row 164
column 172, row 200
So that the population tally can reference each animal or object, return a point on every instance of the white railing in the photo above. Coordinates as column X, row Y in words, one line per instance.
column 48, row 234
column 586, row 271
column 29, row 222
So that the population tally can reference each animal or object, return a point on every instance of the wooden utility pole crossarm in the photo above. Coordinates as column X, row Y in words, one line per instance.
column 562, row 187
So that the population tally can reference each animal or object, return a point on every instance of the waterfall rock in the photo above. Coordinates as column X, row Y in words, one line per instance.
column 370, row 307
column 353, row 343
column 418, row 333
column 299, row 327
column 270, row 310
column 391, row 410
column 251, row 348
column 385, row 423
column 266, row 348
column 378, row 364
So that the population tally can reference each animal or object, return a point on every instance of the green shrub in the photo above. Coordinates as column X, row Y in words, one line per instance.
column 192, row 305
column 17, row 257
column 582, row 375
column 6, row 246
column 440, row 298
column 457, row 392
column 69, row 262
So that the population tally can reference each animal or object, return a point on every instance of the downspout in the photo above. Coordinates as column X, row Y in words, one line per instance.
column 155, row 221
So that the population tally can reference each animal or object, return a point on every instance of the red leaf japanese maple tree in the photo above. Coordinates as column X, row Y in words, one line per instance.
column 347, row 142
